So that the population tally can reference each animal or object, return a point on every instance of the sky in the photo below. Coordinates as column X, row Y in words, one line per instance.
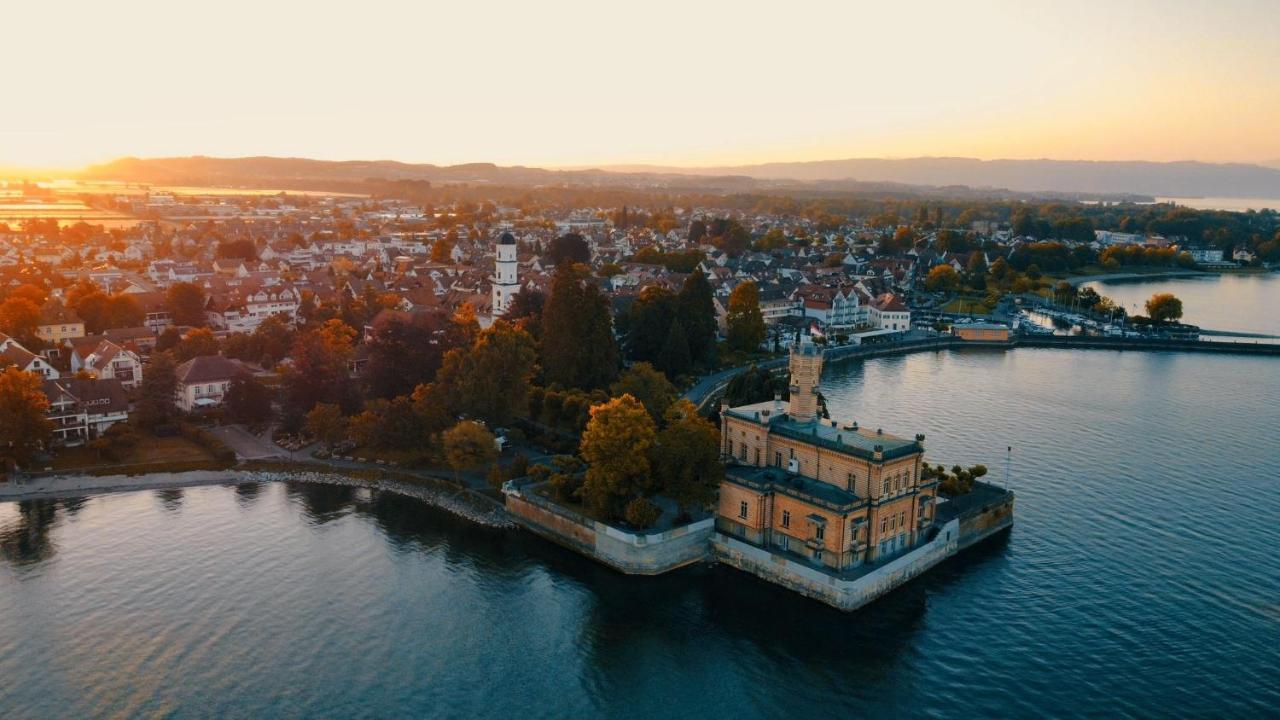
column 559, row 83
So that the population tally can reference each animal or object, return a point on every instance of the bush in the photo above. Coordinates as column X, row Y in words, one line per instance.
column 565, row 486
column 208, row 441
column 641, row 513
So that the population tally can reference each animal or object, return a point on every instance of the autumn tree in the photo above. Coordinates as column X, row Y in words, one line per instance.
column 325, row 423
column 616, row 446
column 577, row 344
column 687, row 456
column 319, row 372
column 942, row 278
column 19, row 317
column 525, row 310
column 745, row 321
column 197, row 342
column 1164, row 307
column 468, row 445
column 490, row 380
column 185, row 303
column 24, row 427
column 643, row 382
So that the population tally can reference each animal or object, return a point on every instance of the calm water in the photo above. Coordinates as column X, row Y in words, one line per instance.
column 1225, row 203
column 1141, row 580
column 1238, row 303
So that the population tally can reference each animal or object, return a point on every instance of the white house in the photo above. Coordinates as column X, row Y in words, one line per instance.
column 109, row 361
column 203, row 381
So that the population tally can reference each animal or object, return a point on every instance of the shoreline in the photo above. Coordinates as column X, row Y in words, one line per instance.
column 457, row 502
column 1076, row 280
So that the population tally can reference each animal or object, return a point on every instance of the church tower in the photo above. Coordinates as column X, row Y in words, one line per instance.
column 806, row 371
column 506, row 282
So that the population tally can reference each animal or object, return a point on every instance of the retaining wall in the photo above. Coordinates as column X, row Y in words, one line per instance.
column 844, row 594
column 631, row 553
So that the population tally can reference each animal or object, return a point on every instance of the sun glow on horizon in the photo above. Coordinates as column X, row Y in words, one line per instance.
column 571, row 84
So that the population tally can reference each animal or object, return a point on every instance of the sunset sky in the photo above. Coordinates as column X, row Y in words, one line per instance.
column 559, row 83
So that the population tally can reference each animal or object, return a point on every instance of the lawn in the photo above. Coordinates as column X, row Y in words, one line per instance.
column 966, row 306
column 175, row 449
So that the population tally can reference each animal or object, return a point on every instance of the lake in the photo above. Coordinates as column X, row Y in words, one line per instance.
column 1234, row 302
column 1140, row 580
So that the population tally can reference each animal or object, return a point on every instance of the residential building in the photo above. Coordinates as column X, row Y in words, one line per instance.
column 109, row 361
column 82, row 409
column 203, row 381
column 58, row 323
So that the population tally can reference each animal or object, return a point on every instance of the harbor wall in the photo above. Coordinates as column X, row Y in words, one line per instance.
column 842, row 593
column 631, row 553
column 980, row 523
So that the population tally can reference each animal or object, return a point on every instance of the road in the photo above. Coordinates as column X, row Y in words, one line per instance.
column 246, row 445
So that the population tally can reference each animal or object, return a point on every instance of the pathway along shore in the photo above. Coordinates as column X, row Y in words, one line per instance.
column 456, row 501
column 712, row 385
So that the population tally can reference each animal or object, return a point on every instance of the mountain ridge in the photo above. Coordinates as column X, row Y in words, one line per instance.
column 1071, row 178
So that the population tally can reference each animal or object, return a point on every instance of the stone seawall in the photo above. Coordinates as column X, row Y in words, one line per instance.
column 630, row 553
column 476, row 508
column 844, row 592
column 980, row 523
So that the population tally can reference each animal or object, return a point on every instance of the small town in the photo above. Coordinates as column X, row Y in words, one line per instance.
column 612, row 365
column 676, row 360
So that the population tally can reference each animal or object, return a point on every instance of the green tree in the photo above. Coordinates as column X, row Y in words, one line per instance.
column 1164, row 307
column 156, row 396
column 491, row 379
column 577, row 345
column 745, row 321
column 696, row 311
column 468, row 445
column 248, row 400
column 674, row 359
column 647, row 323
column 616, row 446
column 643, row 382
column 185, row 303
column 24, row 427
column 687, row 456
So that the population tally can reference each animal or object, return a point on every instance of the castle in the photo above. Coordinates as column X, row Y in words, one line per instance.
column 832, row 493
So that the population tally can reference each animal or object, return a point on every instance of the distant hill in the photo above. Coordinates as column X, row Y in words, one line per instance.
column 920, row 177
column 1176, row 179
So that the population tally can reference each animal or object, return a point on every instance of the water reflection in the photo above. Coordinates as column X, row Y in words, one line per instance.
column 27, row 540
column 170, row 500
column 321, row 503
column 247, row 493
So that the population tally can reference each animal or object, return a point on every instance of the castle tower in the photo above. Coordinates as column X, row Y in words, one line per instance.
column 505, row 280
column 806, row 371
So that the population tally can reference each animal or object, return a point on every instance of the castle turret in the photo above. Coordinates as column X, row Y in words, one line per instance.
column 806, row 371
column 506, row 282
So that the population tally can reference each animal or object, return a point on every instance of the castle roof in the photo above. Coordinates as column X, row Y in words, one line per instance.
column 846, row 438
